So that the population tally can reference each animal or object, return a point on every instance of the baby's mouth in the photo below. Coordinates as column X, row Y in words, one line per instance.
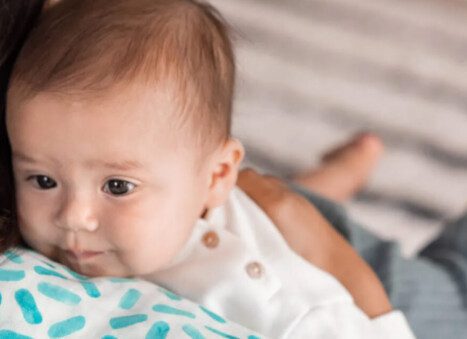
column 82, row 255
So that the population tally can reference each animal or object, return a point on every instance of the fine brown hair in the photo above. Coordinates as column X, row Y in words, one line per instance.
column 86, row 47
column 17, row 18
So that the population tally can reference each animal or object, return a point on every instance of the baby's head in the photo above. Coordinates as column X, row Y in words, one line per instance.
column 118, row 115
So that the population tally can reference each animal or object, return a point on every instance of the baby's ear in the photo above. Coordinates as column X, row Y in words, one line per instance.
column 224, row 172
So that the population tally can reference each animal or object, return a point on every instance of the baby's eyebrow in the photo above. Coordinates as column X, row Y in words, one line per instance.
column 23, row 157
column 124, row 165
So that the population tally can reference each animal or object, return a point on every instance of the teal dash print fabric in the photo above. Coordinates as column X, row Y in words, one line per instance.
column 43, row 299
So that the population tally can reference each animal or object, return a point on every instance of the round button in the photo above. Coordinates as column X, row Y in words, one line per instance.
column 255, row 270
column 210, row 239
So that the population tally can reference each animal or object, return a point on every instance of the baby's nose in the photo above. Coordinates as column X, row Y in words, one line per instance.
column 76, row 213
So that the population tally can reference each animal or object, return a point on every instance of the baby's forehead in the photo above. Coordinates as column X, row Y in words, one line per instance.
column 143, row 116
column 130, row 102
column 156, row 41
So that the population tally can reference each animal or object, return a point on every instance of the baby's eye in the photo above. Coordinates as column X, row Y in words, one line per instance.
column 44, row 182
column 118, row 187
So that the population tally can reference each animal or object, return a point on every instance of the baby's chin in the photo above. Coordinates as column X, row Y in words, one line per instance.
column 99, row 267
column 97, row 271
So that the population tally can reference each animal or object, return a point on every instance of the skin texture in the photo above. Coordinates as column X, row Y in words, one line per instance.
column 69, row 153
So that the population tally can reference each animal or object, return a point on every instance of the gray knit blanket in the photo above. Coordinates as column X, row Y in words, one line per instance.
column 311, row 73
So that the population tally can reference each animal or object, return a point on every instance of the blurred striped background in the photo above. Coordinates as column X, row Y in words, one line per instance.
column 314, row 72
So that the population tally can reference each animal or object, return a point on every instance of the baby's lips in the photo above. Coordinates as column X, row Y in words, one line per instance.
column 82, row 255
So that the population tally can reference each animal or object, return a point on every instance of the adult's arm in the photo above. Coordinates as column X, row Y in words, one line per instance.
column 430, row 288
column 312, row 236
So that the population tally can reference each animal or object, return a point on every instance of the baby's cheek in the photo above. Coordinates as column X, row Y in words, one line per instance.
column 34, row 219
column 37, row 237
column 28, row 234
column 124, row 234
column 136, row 223
column 145, row 236
column 27, row 227
column 141, row 250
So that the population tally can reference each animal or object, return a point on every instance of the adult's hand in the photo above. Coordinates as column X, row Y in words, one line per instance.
column 310, row 235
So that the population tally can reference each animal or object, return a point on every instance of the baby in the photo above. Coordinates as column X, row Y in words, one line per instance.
column 118, row 116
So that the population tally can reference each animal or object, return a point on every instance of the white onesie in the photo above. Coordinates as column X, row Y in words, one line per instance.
column 238, row 264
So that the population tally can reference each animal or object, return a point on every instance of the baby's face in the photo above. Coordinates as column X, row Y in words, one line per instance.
column 104, row 186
